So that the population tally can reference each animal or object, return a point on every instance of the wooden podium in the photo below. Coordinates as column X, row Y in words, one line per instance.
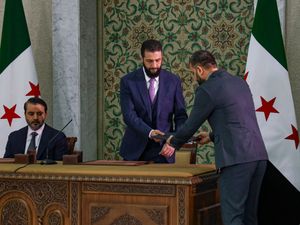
column 152, row 194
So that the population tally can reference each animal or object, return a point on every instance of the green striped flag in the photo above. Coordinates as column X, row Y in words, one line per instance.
column 18, row 79
column 268, row 78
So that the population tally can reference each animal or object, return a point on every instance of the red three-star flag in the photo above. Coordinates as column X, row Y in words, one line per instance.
column 268, row 78
column 18, row 78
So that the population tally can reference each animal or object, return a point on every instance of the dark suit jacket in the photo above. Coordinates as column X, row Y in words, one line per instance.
column 226, row 101
column 56, row 148
column 137, row 113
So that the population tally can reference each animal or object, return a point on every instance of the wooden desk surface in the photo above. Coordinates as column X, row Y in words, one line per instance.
column 148, row 173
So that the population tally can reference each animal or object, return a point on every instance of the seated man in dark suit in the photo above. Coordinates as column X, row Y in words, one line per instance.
column 37, row 134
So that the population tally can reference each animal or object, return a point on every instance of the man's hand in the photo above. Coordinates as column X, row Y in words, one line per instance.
column 154, row 133
column 167, row 150
column 204, row 138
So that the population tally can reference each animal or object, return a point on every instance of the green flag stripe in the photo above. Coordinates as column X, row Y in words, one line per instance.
column 267, row 31
column 15, row 37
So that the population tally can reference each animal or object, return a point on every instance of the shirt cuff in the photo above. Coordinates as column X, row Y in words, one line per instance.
column 149, row 135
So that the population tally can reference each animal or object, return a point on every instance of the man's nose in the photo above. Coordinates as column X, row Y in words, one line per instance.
column 154, row 64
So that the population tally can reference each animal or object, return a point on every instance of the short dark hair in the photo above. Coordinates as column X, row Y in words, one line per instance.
column 35, row 100
column 150, row 45
column 204, row 58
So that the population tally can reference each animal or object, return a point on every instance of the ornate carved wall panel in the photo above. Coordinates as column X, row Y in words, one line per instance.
column 55, row 215
column 221, row 26
column 182, row 213
column 121, row 214
column 138, row 189
column 16, row 208
column 33, row 202
column 128, row 203
column 75, row 203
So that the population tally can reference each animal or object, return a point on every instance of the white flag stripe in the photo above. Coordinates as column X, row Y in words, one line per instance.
column 16, row 76
column 267, row 78
column 14, row 85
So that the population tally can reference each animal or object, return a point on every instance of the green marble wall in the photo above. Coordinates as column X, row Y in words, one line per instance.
column 183, row 26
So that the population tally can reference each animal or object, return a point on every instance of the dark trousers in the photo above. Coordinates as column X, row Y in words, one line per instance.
column 240, row 187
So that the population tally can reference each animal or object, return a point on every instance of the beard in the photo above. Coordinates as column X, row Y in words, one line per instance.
column 151, row 74
column 35, row 125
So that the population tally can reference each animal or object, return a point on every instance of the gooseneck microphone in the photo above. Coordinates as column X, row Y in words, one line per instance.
column 48, row 161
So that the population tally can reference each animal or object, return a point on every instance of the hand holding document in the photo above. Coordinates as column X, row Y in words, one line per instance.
column 157, row 135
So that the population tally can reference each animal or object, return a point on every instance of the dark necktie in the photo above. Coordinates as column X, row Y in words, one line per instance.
column 32, row 145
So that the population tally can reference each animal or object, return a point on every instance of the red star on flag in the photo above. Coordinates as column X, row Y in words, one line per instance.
column 35, row 90
column 10, row 114
column 246, row 75
column 294, row 136
column 267, row 107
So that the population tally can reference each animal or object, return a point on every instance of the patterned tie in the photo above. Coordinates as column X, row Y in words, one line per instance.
column 32, row 146
column 152, row 90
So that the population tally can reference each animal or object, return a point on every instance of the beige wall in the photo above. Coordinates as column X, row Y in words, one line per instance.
column 39, row 21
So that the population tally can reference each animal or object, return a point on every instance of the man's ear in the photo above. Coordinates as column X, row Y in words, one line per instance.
column 199, row 69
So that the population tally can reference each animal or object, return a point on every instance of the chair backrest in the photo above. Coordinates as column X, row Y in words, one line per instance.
column 71, row 144
column 186, row 154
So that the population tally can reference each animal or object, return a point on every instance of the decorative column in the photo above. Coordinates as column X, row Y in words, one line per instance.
column 293, row 51
column 75, row 71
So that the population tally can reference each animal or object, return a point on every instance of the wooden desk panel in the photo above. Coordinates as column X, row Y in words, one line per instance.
column 83, row 195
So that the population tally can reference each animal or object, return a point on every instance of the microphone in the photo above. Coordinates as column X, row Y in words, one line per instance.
column 48, row 161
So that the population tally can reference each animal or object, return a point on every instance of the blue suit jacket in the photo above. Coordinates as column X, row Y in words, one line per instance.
column 226, row 101
column 56, row 148
column 137, row 114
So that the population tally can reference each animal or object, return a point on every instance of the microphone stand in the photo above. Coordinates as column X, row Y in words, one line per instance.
column 48, row 161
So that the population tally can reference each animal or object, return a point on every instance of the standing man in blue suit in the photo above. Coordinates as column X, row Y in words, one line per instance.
column 240, row 154
column 152, row 103
column 21, row 141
